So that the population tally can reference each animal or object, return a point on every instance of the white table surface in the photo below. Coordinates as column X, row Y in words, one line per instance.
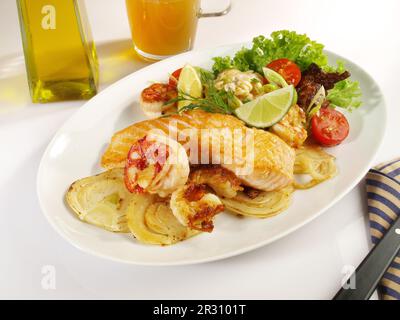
column 305, row 265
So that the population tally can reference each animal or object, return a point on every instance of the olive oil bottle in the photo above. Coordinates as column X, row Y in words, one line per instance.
column 60, row 54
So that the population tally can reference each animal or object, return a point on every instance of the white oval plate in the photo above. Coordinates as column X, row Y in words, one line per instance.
column 75, row 151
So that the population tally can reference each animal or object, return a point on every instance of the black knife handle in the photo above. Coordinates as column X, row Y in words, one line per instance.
column 374, row 267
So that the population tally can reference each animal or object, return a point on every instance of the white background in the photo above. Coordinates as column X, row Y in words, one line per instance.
column 304, row 265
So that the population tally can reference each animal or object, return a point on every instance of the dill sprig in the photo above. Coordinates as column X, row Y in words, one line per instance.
column 215, row 101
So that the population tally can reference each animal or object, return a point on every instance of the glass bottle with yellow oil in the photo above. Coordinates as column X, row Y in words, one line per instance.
column 60, row 54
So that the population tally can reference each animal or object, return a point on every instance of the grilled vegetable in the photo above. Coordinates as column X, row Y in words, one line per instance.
column 263, row 205
column 101, row 200
column 316, row 163
column 151, row 221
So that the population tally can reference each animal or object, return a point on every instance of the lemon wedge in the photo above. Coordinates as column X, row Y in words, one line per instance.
column 189, row 85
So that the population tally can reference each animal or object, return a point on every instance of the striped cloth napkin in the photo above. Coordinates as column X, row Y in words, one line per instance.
column 383, row 187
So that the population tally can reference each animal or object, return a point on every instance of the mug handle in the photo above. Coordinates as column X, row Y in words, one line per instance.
column 217, row 13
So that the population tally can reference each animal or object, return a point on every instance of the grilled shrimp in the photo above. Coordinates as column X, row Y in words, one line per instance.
column 156, row 164
column 153, row 99
column 292, row 128
column 195, row 208
column 223, row 182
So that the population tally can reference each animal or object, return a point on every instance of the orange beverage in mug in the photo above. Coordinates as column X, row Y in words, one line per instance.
column 161, row 28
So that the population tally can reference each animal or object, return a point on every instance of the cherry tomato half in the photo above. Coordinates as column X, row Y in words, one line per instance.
column 330, row 127
column 173, row 79
column 287, row 69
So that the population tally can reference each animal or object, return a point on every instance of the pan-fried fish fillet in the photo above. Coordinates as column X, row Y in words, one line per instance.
column 272, row 160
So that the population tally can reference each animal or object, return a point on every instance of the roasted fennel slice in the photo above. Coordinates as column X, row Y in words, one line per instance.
column 264, row 205
column 151, row 221
column 316, row 163
column 101, row 200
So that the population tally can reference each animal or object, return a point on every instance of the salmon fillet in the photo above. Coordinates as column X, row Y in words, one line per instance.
column 272, row 160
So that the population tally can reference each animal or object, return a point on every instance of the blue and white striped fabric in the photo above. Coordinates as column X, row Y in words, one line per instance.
column 383, row 187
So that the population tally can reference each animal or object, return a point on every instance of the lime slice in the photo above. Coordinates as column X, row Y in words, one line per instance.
column 274, row 77
column 268, row 109
column 295, row 97
column 189, row 84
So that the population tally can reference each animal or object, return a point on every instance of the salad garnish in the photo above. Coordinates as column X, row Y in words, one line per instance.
column 301, row 50
column 246, row 84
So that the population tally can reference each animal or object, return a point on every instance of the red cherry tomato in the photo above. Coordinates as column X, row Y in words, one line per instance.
column 173, row 79
column 287, row 69
column 330, row 127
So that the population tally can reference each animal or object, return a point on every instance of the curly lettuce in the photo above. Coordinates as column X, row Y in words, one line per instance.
column 221, row 64
column 346, row 94
column 282, row 44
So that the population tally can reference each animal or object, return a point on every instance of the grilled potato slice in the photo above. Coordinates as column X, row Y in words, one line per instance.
column 101, row 200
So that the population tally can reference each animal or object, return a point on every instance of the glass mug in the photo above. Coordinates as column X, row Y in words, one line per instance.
column 162, row 28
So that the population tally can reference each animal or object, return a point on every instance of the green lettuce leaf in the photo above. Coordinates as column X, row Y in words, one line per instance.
column 221, row 64
column 282, row 44
column 291, row 45
column 347, row 93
